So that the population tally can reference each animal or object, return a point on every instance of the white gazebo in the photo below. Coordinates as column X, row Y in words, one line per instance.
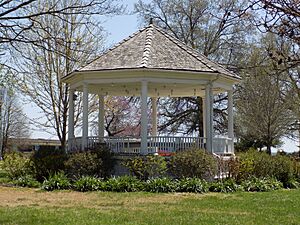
column 152, row 63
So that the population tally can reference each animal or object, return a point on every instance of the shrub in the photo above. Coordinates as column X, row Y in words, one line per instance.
column 261, row 185
column 194, row 185
column 48, row 161
column 88, row 183
column 255, row 164
column 160, row 185
column 26, row 181
column 16, row 165
column 283, row 168
column 124, row 184
column 147, row 167
column 83, row 164
column 225, row 186
column 58, row 181
column 193, row 163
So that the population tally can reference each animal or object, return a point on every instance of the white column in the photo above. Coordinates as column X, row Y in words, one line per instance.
column 144, row 120
column 85, row 121
column 209, row 116
column 204, row 116
column 101, row 118
column 154, row 116
column 230, row 119
column 230, row 114
column 71, row 119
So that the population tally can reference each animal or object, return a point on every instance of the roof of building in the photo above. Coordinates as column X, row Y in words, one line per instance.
column 154, row 48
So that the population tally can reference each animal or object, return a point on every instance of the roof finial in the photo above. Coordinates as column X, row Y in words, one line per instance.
column 151, row 21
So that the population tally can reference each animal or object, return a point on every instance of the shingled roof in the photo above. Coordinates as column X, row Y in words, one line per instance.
column 153, row 48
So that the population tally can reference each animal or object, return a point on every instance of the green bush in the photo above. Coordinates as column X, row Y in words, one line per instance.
column 124, row 184
column 88, row 183
column 261, row 165
column 58, row 181
column 193, row 163
column 48, row 161
column 261, row 185
column 283, row 168
column 225, row 186
column 16, row 165
column 147, row 167
column 83, row 164
column 160, row 185
column 193, row 185
column 26, row 181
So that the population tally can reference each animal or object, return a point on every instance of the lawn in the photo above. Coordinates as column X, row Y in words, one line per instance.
column 33, row 206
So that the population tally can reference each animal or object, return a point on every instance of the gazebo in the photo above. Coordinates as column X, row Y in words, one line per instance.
column 152, row 63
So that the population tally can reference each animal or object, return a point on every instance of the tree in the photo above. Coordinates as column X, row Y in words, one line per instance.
column 19, row 18
column 218, row 29
column 263, row 111
column 281, row 17
column 65, row 42
column 13, row 123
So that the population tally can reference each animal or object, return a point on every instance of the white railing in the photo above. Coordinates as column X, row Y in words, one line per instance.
column 156, row 144
column 171, row 144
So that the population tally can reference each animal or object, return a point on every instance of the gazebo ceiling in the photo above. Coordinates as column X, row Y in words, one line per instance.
column 171, row 68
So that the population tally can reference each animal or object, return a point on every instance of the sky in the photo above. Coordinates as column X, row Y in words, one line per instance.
column 118, row 28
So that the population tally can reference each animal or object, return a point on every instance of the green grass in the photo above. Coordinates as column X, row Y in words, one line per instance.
column 32, row 206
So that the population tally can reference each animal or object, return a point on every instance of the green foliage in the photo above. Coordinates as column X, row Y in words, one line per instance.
column 26, row 181
column 88, row 183
column 151, row 166
column 104, row 155
column 160, row 185
column 124, row 184
column 193, row 163
column 58, row 181
column 292, row 184
column 48, row 161
column 16, row 165
column 261, row 184
column 225, row 186
column 283, row 168
column 83, row 164
column 261, row 165
column 193, row 185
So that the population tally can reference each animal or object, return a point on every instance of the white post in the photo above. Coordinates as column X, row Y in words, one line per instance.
column 154, row 116
column 230, row 117
column 71, row 119
column 101, row 118
column 230, row 114
column 144, row 120
column 204, row 117
column 85, row 121
column 209, row 117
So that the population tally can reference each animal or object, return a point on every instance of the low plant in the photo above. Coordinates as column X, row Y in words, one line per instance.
column 160, row 185
column 123, row 184
column 58, row 181
column 151, row 166
column 26, row 181
column 225, row 186
column 193, row 163
column 88, row 183
column 193, row 185
column 261, row 184
column 292, row 183
column 16, row 165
